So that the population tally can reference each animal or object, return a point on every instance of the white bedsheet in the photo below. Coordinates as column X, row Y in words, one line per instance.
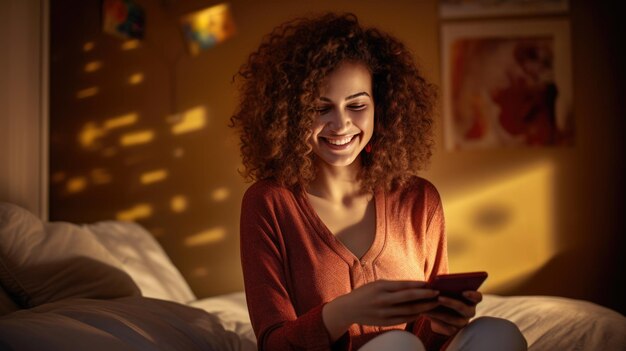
column 556, row 323
column 548, row 323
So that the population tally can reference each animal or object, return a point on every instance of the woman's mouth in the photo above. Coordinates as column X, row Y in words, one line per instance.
column 339, row 143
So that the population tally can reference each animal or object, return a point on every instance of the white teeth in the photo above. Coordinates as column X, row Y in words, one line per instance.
column 342, row 141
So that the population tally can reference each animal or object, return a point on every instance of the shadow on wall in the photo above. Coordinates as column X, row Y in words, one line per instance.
column 562, row 274
column 508, row 223
column 505, row 225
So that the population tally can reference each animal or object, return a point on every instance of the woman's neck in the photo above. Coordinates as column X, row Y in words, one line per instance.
column 339, row 185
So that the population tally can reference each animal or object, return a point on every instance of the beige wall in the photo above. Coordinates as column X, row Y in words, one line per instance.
column 23, row 104
column 540, row 220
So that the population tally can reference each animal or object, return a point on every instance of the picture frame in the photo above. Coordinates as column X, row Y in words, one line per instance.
column 507, row 83
column 458, row 9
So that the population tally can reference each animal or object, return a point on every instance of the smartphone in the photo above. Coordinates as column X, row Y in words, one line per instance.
column 453, row 285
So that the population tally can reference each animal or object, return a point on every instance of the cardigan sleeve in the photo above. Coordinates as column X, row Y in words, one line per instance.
column 273, row 316
column 436, row 240
column 437, row 263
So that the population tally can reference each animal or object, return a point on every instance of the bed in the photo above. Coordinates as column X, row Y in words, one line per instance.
column 110, row 286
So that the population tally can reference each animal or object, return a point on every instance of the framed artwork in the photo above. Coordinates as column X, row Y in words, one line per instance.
column 507, row 84
column 451, row 9
column 206, row 28
column 123, row 18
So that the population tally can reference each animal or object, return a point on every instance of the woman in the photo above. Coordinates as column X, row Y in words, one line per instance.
column 338, row 234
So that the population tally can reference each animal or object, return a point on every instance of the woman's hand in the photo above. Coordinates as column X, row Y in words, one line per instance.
column 450, row 322
column 380, row 303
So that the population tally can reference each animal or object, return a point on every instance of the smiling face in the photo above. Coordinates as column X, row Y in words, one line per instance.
column 345, row 121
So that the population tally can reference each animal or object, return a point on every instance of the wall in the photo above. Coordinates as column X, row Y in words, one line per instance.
column 23, row 104
column 115, row 153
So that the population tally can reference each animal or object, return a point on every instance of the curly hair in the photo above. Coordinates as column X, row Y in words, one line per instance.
column 280, row 82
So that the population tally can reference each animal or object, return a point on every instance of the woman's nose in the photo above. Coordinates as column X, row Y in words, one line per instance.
column 339, row 122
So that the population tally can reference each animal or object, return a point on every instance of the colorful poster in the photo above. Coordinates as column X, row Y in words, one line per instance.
column 507, row 84
column 123, row 18
column 206, row 28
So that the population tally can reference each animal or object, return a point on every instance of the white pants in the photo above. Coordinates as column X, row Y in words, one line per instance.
column 484, row 334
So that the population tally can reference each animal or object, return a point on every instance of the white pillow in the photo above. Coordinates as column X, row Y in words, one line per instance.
column 142, row 257
column 232, row 311
column 127, row 323
column 45, row 263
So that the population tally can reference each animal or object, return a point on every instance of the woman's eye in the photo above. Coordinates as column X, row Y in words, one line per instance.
column 357, row 107
column 322, row 109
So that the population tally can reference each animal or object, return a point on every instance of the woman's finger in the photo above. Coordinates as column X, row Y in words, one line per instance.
column 410, row 295
column 398, row 285
column 447, row 319
column 409, row 309
column 460, row 307
column 474, row 296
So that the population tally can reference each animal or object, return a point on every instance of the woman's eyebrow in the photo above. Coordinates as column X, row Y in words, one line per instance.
column 357, row 95
column 353, row 96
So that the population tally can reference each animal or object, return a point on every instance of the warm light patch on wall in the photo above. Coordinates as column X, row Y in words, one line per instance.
column 153, row 176
column 93, row 66
column 178, row 203
column 137, row 138
column 191, row 120
column 100, row 176
column 200, row 272
column 178, row 152
column 76, row 185
column 157, row 232
column 206, row 237
column 109, row 152
column 88, row 92
column 505, row 228
column 88, row 46
column 130, row 44
column 121, row 121
column 135, row 79
column 58, row 177
column 220, row 194
column 138, row 211
column 90, row 133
